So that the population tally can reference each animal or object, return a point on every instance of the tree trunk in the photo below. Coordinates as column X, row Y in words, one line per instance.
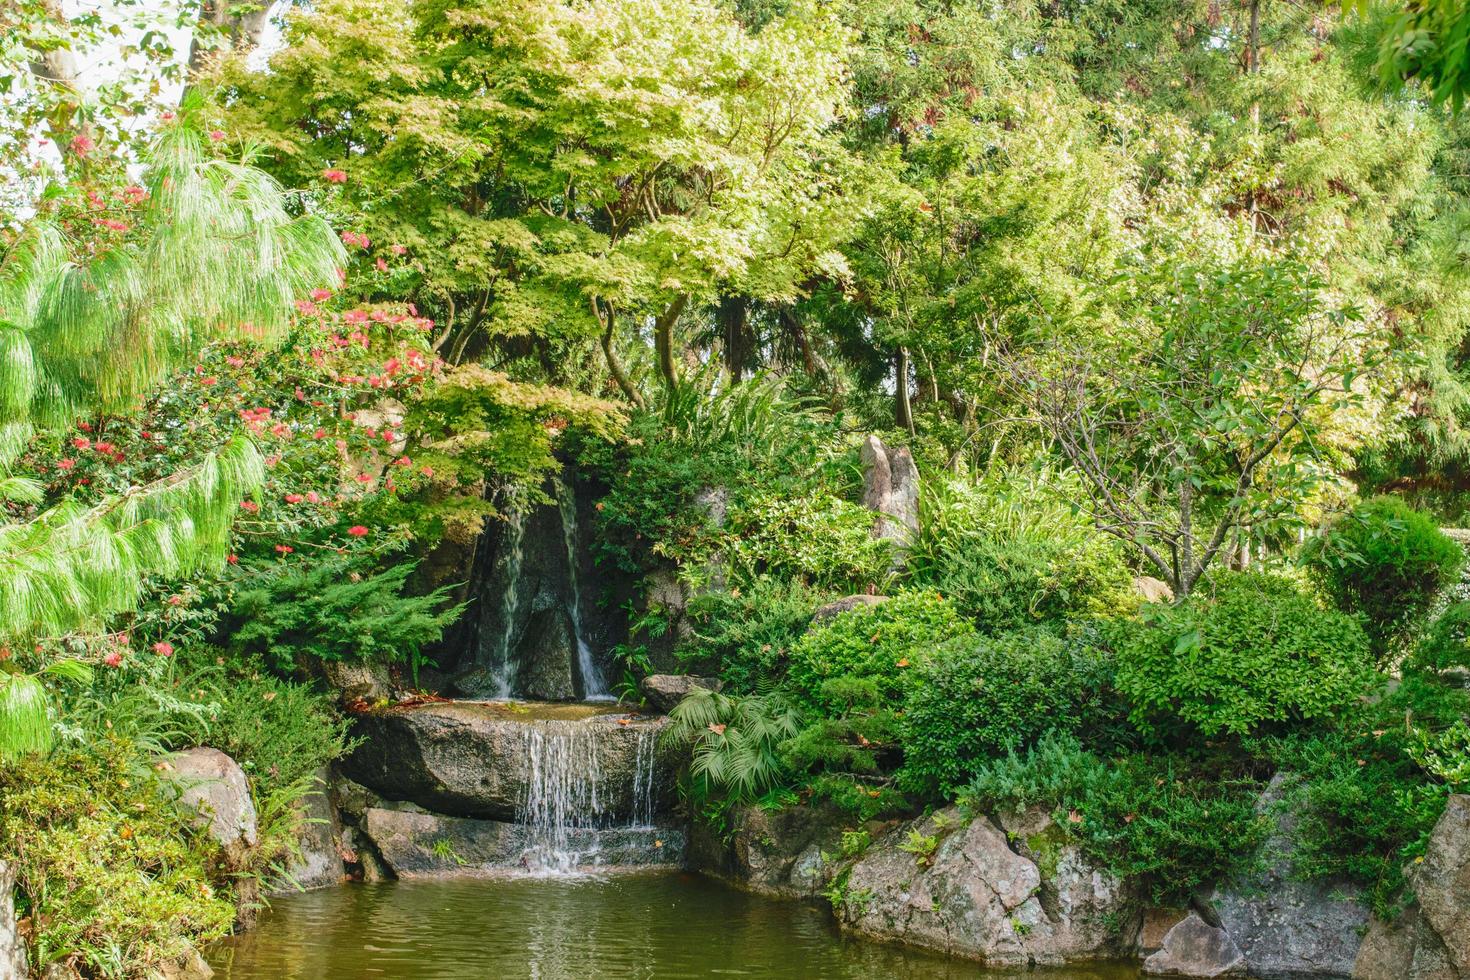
column 733, row 315
column 58, row 68
column 1253, row 68
column 903, row 406
column 663, row 339
column 241, row 21
column 608, row 317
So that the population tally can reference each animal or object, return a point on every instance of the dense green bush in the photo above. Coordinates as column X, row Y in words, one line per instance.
column 1012, row 551
column 980, row 697
column 1446, row 643
column 744, row 635
column 734, row 743
column 1252, row 653
column 874, row 644
column 1165, row 822
column 1387, row 562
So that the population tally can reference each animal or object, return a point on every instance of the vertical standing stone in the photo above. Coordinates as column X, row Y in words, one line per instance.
column 12, row 947
column 891, row 489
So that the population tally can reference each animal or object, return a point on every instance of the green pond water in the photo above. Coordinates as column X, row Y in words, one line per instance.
column 658, row 926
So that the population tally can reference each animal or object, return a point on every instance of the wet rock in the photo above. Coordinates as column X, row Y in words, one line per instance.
column 319, row 839
column 846, row 604
column 1194, row 948
column 190, row 966
column 212, row 786
column 357, row 681
column 1156, row 925
column 1284, row 927
column 548, row 652
column 663, row 692
column 1442, row 881
column 1406, row 949
column 788, row 853
column 891, row 489
column 474, row 760
column 12, row 947
column 970, row 889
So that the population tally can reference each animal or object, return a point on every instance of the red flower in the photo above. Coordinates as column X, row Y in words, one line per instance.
column 285, row 549
column 215, row 135
column 66, row 464
column 319, row 434
column 357, row 531
column 82, row 442
column 294, row 498
column 209, row 381
column 335, row 176
column 113, row 659
column 85, row 426
column 163, row 648
column 320, row 294
column 249, row 506
column 233, row 559
column 82, row 145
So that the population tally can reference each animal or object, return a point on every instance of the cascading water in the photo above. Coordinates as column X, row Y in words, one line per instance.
column 594, row 688
column 503, row 672
column 577, row 815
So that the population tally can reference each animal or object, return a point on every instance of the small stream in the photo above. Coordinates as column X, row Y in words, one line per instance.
column 650, row 926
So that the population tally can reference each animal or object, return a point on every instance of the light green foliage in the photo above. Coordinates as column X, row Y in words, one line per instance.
column 1163, row 822
column 824, row 540
column 109, row 870
column 1387, row 562
column 735, row 744
column 744, row 637
column 1425, row 41
column 1010, row 551
column 975, row 699
column 1254, row 653
column 1446, row 643
column 871, row 646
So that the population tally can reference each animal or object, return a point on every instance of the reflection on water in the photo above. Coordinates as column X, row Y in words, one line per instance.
column 635, row 926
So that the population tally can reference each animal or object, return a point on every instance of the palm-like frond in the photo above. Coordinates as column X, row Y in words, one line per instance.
column 736, row 741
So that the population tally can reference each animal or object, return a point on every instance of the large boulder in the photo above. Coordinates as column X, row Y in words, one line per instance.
column 357, row 682
column 663, row 692
column 891, row 489
column 12, row 946
column 1287, row 928
column 846, row 604
column 793, row 852
column 1431, row 940
column 1008, row 892
column 212, row 787
column 1194, row 948
column 472, row 759
column 548, row 656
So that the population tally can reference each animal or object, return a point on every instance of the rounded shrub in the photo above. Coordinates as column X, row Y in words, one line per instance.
column 980, row 697
column 1255, row 652
column 875, row 644
column 1387, row 562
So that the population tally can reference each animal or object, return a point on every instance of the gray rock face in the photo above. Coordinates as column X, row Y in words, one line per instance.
column 1194, row 948
column 891, row 488
column 474, row 760
column 414, row 843
column 548, row 653
column 663, row 692
column 1431, row 940
column 213, row 787
column 12, row 947
column 357, row 681
column 789, row 853
column 320, row 840
column 1153, row 589
column 846, row 604
column 978, row 892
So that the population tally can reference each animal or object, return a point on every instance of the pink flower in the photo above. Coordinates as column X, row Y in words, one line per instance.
column 285, row 549
column 233, row 560
column 215, row 135
column 357, row 531
column 249, row 506
column 294, row 498
column 364, row 478
column 398, row 249
column 320, row 294
column 356, row 238
column 209, row 382
column 404, row 461
column 113, row 659
column 168, row 117
column 163, row 648
column 234, row 360
column 66, row 465
column 426, row 470
column 82, row 442
column 305, row 307
column 312, row 497
column 133, row 194
column 335, row 176
column 82, row 145
column 319, row 434
column 382, row 266
column 113, row 224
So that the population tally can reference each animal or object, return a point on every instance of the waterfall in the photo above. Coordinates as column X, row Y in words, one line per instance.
column 573, row 808
column 509, row 571
column 594, row 688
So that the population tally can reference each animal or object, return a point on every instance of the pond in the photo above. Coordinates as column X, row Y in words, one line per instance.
column 659, row 926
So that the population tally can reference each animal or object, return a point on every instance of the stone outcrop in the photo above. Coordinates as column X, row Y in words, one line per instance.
column 213, row 789
column 792, row 852
column 1008, row 892
column 891, row 489
column 1431, row 940
column 663, row 692
column 319, row 838
column 12, row 946
column 1287, row 928
column 548, row 656
column 846, row 604
column 471, row 760
column 1194, row 948
column 1152, row 589
column 356, row 682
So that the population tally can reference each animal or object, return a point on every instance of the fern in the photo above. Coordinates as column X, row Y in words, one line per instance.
column 735, row 743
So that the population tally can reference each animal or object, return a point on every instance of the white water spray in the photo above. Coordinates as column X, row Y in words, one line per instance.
column 594, row 688
column 511, row 557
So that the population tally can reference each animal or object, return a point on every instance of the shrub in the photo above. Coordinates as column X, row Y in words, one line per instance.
column 820, row 538
column 735, row 742
column 1446, row 643
column 1164, row 822
column 110, row 872
column 981, row 697
column 1386, row 562
column 1012, row 552
column 1255, row 653
column 876, row 643
column 746, row 634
